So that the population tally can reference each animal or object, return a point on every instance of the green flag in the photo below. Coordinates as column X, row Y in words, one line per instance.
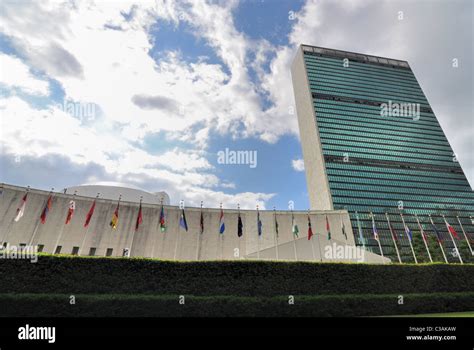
column 294, row 227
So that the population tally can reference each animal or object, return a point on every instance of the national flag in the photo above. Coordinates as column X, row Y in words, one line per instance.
column 328, row 230
column 139, row 217
column 240, row 226
column 115, row 217
column 294, row 226
column 70, row 211
column 310, row 230
column 408, row 232
column 222, row 223
column 89, row 214
column 259, row 224
column 276, row 226
column 21, row 209
column 435, row 230
column 451, row 229
column 182, row 220
column 162, row 220
column 374, row 229
column 361, row 236
column 344, row 229
column 201, row 223
column 46, row 209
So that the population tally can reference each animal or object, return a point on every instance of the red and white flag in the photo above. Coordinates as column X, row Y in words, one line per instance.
column 451, row 229
column 21, row 209
column 89, row 214
column 70, row 211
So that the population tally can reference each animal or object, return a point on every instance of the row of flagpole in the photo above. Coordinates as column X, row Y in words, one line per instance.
column 451, row 231
column 295, row 230
column 162, row 222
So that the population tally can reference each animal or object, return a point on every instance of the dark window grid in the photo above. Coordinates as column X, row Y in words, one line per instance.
column 397, row 93
column 357, row 82
column 381, row 151
column 374, row 96
column 408, row 211
column 360, row 100
column 327, row 72
column 348, row 166
column 373, row 127
column 382, row 181
column 381, row 146
column 361, row 59
column 337, row 133
column 369, row 110
column 361, row 131
column 440, row 191
column 330, row 115
column 365, row 180
column 401, row 160
column 396, row 197
column 394, row 164
column 330, row 133
column 369, row 141
column 378, row 171
column 384, row 205
column 353, row 68
column 337, row 77
column 362, row 70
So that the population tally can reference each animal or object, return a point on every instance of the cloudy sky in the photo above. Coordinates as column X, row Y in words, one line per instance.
column 146, row 94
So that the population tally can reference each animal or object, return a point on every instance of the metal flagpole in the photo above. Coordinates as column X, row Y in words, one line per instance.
column 405, row 227
column 134, row 231
column 8, row 230
column 374, row 228
column 452, row 239
column 38, row 222
column 179, row 230
column 62, row 230
column 219, row 238
column 293, row 234
column 312, row 246
column 439, row 242
column 465, row 236
column 393, row 239
column 157, row 229
column 165, row 231
column 258, row 236
column 276, row 232
column 361, row 237
column 85, row 235
column 199, row 236
column 222, row 238
column 422, row 232
column 240, row 238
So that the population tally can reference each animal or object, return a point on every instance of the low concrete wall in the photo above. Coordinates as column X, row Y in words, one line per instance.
column 148, row 241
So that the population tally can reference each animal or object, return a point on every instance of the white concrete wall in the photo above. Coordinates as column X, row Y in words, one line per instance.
column 149, row 241
column 316, row 177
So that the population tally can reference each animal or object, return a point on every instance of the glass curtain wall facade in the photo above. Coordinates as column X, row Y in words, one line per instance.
column 382, row 160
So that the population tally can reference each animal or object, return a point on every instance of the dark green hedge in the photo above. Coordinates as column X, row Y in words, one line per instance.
column 83, row 275
column 37, row 305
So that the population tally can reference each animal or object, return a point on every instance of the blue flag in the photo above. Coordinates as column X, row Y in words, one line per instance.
column 259, row 224
column 408, row 232
column 221, row 222
column 182, row 221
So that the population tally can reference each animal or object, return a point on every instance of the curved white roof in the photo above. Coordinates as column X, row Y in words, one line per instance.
column 113, row 193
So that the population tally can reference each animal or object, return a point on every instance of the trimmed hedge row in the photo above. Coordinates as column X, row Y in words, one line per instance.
column 96, row 275
column 37, row 305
